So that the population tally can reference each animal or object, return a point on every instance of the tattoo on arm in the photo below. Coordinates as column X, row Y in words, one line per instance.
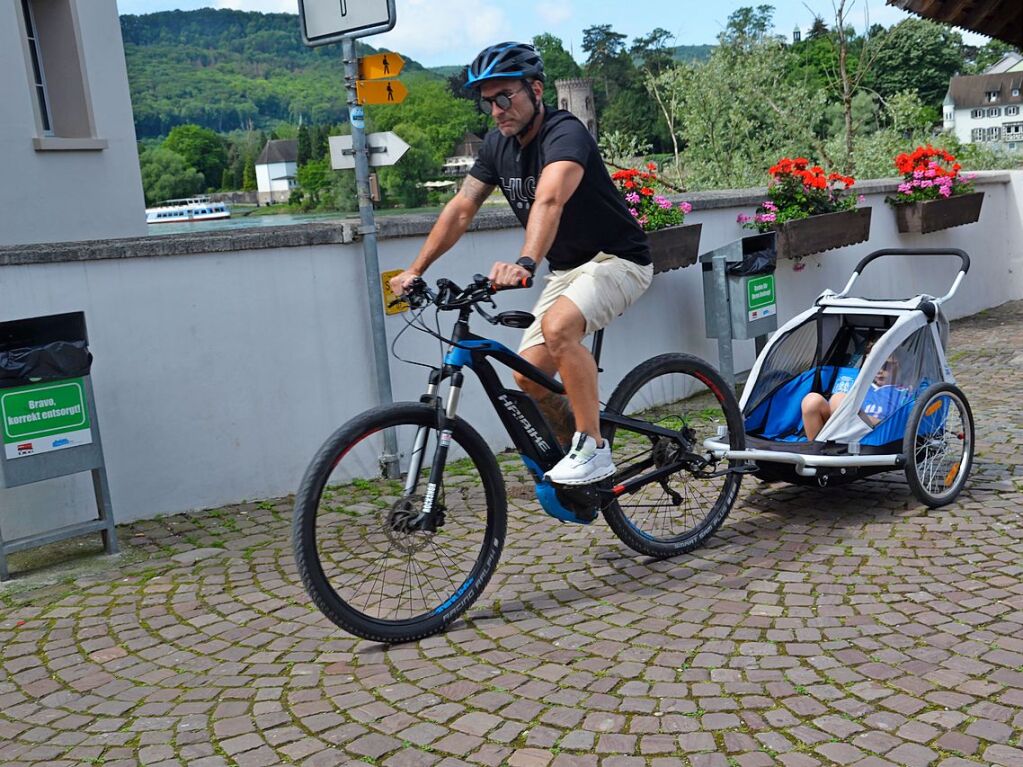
column 475, row 190
column 556, row 410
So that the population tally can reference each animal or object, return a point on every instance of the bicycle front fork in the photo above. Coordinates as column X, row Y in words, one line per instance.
column 432, row 510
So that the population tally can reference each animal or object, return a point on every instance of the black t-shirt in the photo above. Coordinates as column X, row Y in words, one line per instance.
column 594, row 219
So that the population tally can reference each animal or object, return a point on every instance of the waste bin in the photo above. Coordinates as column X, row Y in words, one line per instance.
column 739, row 297
column 748, row 296
column 48, row 418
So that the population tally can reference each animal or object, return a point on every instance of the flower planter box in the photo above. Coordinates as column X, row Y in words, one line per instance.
column 674, row 247
column 824, row 232
column 934, row 215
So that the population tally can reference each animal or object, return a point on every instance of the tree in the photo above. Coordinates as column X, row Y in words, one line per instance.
column 652, row 52
column 818, row 29
column 748, row 27
column 558, row 64
column 305, row 145
column 619, row 147
column 737, row 115
column 918, row 55
column 979, row 59
column 313, row 177
column 166, row 175
column 607, row 60
column 200, row 148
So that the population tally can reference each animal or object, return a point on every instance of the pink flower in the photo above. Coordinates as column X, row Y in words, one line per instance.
column 686, row 207
column 904, row 188
column 918, row 174
column 765, row 218
column 945, row 191
column 632, row 197
column 663, row 203
column 768, row 205
column 634, row 212
column 742, row 218
column 861, row 198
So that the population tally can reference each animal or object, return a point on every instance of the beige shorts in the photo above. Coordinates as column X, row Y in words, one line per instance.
column 602, row 288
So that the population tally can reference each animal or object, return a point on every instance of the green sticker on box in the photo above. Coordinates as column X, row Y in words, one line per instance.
column 46, row 416
column 760, row 298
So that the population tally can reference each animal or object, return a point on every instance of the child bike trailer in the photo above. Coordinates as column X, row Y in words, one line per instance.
column 878, row 369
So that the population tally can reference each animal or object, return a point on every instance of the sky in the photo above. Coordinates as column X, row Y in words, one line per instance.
column 452, row 32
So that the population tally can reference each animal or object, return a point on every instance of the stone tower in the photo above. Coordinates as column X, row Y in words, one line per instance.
column 576, row 96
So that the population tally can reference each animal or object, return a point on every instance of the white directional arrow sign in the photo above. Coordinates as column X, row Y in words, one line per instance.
column 329, row 21
column 384, row 149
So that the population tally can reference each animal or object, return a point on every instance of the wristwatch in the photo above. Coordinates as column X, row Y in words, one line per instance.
column 527, row 263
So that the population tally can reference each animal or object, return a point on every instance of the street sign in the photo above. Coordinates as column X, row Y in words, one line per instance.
column 380, row 91
column 380, row 65
column 329, row 21
column 389, row 297
column 384, row 149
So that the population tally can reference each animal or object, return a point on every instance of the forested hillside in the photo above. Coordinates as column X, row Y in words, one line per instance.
column 225, row 70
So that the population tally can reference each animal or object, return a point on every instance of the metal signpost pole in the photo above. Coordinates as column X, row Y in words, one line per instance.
column 368, row 230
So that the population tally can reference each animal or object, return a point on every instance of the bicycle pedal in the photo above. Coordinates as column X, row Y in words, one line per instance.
column 745, row 468
column 583, row 501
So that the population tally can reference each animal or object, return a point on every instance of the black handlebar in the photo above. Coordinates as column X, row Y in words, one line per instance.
column 450, row 296
column 916, row 252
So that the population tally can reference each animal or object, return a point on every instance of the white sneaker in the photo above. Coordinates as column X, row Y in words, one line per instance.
column 585, row 463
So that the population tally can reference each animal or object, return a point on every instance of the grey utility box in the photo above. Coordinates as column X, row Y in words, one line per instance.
column 739, row 296
column 48, row 419
column 746, row 296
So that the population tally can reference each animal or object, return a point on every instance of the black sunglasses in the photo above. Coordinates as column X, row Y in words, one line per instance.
column 503, row 100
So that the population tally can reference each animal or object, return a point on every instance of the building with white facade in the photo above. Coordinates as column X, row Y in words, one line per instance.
column 276, row 168
column 71, row 169
column 988, row 108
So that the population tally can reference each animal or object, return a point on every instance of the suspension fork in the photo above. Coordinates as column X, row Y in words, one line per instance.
column 419, row 446
column 431, row 511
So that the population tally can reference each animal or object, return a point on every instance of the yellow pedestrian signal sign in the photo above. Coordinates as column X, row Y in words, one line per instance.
column 390, row 307
column 380, row 65
column 380, row 91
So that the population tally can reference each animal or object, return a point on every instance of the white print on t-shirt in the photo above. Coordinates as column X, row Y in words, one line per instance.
column 520, row 191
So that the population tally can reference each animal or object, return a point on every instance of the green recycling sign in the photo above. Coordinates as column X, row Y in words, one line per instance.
column 43, row 417
column 760, row 297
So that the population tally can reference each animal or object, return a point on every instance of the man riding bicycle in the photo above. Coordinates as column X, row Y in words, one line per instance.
column 551, row 173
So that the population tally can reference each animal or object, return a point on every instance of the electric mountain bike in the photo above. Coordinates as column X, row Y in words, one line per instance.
column 400, row 518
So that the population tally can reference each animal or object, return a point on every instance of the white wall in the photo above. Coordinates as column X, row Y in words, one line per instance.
column 274, row 178
column 218, row 375
column 53, row 196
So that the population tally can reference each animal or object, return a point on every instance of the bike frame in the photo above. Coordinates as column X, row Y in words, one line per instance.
column 529, row 431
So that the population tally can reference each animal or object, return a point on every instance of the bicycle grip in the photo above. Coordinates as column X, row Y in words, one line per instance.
column 525, row 282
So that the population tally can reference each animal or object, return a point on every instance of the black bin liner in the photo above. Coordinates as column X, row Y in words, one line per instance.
column 759, row 256
column 43, row 349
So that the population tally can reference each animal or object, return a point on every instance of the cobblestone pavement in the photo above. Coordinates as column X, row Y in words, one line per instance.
column 847, row 626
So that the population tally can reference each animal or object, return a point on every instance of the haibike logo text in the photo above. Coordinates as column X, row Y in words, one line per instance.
column 530, row 430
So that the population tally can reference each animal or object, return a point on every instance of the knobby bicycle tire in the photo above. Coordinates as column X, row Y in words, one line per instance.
column 345, row 535
column 683, row 391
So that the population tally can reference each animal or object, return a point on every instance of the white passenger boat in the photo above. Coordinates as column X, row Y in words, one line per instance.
column 200, row 208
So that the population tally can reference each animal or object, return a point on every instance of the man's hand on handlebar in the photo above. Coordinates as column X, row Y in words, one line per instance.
column 505, row 275
column 400, row 283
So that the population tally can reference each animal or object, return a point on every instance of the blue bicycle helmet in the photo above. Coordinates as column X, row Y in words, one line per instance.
column 504, row 61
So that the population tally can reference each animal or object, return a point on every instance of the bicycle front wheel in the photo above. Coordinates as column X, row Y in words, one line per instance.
column 364, row 560
column 679, row 512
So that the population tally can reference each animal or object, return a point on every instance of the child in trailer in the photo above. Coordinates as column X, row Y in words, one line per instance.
column 883, row 398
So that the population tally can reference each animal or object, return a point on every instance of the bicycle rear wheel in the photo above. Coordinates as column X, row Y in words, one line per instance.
column 358, row 553
column 675, row 515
